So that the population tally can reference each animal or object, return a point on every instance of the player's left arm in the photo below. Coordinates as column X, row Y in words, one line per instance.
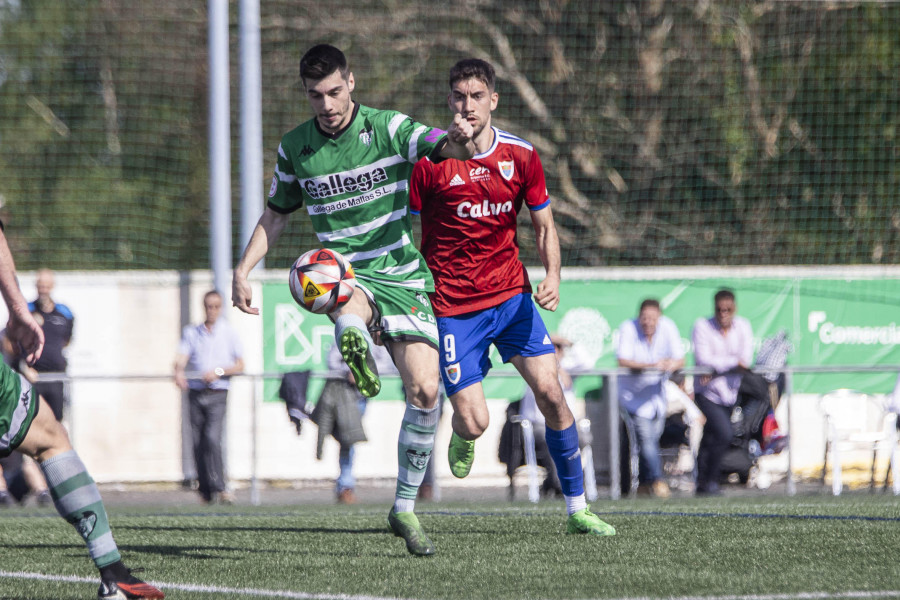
column 547, row 295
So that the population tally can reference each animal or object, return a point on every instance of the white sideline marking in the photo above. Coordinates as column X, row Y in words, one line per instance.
column 188, row 587
column 213, row 589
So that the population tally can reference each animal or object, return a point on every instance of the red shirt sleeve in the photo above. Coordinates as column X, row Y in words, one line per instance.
column 536, row 196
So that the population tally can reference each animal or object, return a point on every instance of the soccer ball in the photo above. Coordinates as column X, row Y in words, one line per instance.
column 321, row 281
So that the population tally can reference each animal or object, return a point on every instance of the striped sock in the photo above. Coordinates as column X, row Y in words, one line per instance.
column 413, row 451
column 78, row 501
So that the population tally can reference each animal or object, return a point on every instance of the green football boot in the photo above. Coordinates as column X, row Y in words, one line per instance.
column 355, row 351
column 584, row 521
column 406, row 525
column 461, row 455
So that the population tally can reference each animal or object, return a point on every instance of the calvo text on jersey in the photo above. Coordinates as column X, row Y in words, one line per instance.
column 343, row 183
column 468, row 210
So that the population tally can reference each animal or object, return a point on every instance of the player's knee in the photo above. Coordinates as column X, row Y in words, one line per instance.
column 473, row 425
column 423, row 394
column 550, row 398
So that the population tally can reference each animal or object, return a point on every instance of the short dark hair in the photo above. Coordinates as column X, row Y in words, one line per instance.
column 468, row 68
column 724, row 295
column 650, row 303
column 321, row 61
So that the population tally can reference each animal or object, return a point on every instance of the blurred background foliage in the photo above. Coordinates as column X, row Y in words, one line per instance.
column 671, row 132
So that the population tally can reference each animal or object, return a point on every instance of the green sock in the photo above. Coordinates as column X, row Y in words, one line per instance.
column 78, row 501
column 414, row 449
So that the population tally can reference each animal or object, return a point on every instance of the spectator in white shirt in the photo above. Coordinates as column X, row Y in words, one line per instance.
column 651, row 347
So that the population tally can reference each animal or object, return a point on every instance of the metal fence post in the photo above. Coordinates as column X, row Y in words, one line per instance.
column 615, row 476
column 254, row 441
column 789, row 393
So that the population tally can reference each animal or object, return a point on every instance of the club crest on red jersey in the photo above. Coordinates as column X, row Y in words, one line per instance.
column 507, row 168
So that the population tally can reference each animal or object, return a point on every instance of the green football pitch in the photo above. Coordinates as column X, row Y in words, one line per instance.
column 771, row 548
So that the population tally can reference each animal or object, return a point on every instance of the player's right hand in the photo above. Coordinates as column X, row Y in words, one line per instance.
column 241, row 295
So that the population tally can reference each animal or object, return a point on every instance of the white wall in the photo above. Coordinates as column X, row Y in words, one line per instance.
column 125, row 416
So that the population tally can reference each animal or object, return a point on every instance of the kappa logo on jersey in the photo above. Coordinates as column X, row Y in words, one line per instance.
column 365, row 137
column 453, row 373
column 457, row 180
column 480, row 174
column 343, row 183
column 467, row 210
column 417, row 459
column 507, row 168
column 307, row 151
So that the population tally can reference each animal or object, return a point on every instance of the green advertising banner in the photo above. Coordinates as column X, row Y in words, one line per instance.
column 830, row 322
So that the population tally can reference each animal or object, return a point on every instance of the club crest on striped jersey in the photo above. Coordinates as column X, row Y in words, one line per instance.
column 453, row 373
column 274, row 187
column 507, row 168
column 365, row 137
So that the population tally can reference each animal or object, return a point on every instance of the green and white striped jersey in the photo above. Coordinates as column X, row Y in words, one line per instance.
column 355, row 185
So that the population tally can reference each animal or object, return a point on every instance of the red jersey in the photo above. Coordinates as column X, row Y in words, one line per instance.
column 469, row 214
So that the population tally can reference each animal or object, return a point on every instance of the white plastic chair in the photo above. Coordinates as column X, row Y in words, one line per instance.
column 850, row 426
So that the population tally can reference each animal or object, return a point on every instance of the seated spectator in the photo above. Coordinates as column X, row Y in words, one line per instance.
column 651, row 347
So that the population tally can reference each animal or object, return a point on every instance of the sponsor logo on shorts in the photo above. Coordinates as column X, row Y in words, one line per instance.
column 417, row 459
column 422, row 315
column 453, row 373
column 26, row 397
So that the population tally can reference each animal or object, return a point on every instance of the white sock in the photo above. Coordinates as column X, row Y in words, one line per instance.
column 575, row 503
column 351, row 320
column 404, row 505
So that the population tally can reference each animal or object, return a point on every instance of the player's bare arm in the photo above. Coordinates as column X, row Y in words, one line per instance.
column 460, row 143
column 267, row 231
column 21, row 329
column 547, row 295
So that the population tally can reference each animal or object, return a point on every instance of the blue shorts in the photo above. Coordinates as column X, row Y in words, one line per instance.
column 515, row 327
